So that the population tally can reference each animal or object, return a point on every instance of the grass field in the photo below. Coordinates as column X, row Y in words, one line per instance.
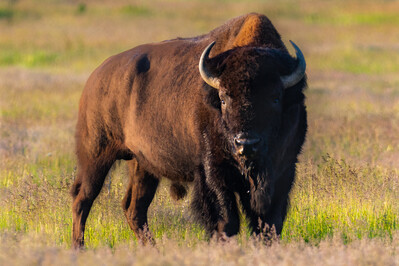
column 345, row 203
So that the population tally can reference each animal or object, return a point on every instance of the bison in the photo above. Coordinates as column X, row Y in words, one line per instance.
column 224, row 111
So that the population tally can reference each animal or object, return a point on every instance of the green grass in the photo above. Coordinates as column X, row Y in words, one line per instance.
column 360, row 60
column 32, row 108
column 6, row 13
column 34, row 59
column 331, row 199
column 337, row 199
column 81, row 9
column 340, row 18
column 135, row 10
column 347, row 184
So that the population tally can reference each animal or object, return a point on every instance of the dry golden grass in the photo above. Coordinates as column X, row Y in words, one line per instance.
column 345, row 203
column 169, row 252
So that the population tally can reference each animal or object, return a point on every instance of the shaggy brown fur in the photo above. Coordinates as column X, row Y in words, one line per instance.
column 150, row 106
column 177, row 191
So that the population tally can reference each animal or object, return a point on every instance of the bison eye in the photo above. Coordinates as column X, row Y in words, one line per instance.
column 223, row 102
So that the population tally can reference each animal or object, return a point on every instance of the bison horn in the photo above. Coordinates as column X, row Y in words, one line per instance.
column 293, row 78
column 207, row 76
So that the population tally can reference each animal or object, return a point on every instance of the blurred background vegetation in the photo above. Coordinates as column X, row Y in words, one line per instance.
column 347, row 183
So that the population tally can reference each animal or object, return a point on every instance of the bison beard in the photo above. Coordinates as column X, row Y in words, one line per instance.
column 223, row 111
column 259, row 182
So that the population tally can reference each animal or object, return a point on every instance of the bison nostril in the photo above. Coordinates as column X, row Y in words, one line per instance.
column 237, row 141
column 253, row 141
column 246, row 146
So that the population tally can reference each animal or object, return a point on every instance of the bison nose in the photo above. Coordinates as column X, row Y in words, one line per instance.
column 247, row 146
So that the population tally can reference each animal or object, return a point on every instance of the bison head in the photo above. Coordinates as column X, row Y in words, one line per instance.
column 250, row 83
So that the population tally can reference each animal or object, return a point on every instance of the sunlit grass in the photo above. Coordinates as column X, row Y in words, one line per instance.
column 35, row 59
column 359, row 60
column 337, row 199
column 71, row 49
column 331, row 199
column 32, row 107
column 135, row 10
column 346, row 189
column 343, row 18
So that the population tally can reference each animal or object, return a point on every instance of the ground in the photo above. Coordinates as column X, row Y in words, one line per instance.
column 345, row 203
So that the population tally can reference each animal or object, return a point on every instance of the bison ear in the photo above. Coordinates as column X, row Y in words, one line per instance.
column 212, row 98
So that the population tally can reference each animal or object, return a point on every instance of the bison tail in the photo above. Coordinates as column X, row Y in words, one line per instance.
column 178, row 191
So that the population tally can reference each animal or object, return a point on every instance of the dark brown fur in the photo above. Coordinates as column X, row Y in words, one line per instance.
column 149, row 106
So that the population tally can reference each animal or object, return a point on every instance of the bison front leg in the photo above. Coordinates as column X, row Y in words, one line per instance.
column 140, row 192
column 215, row 206
column 271, row 222
column 278, row 211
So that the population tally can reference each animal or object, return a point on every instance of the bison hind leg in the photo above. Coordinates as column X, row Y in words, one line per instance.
column 178, row 191
column 85, row 189
column 140, row 193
